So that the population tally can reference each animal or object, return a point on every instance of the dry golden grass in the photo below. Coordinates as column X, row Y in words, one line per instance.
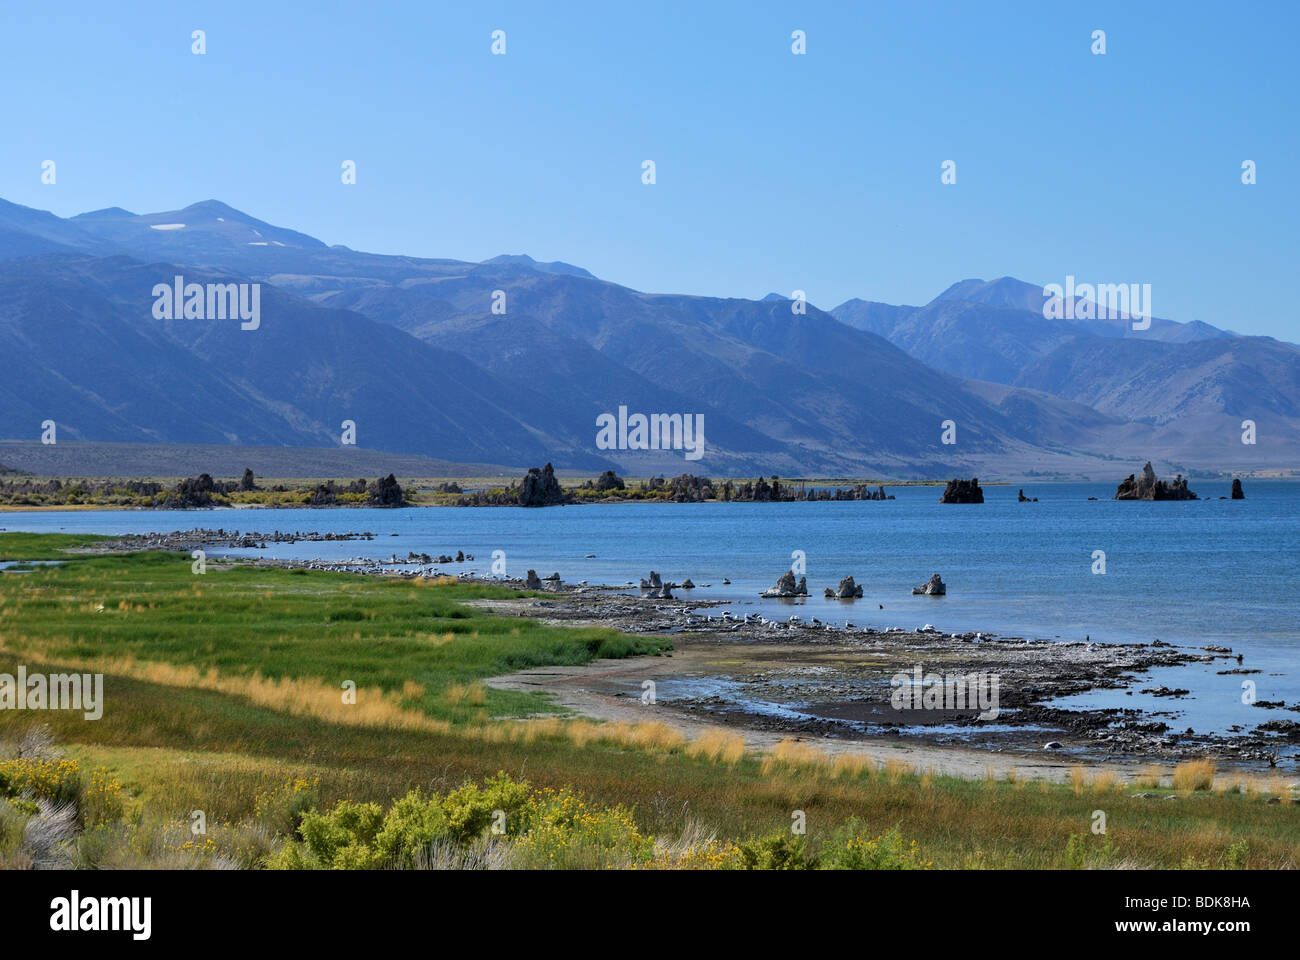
column 790, row 754
column 1105, row 781
column 896, row 769
column 1257, row 787
column 717, row 746
column 526, row 731
column 581, row 732
column 1151, row 777
column 1280, row 786
column 455, row 694
column 853, row 765
column 298, row 697
column 1194, row 775
column 651, row 736
column 438, row 581
column 647, row 736
column 470, row 694
column 1078, row 780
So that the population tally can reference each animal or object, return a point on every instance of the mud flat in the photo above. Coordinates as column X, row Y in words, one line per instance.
column 842, row 687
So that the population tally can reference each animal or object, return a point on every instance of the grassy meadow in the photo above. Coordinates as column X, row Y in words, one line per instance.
column 226, row 701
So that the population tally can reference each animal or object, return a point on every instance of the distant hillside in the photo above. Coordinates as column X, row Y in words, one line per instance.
column 132, row 460
column 413, row 350
column 1184, row 388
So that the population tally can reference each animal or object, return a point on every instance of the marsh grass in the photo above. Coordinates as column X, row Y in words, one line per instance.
column 408, row 648
column 44, row 546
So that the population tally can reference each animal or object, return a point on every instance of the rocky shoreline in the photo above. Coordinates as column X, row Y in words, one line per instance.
column 812, row 677
column 220, row 537
column 805, row 676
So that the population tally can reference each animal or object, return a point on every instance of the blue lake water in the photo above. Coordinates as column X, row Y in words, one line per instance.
column 1199, row 572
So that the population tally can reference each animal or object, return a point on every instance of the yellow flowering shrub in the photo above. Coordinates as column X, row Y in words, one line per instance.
column 49, row 778
column 559, row 829
column 281, row 810
column 104, row 800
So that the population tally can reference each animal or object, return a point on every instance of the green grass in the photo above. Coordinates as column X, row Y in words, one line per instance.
column 241, row 620
column 44, row 546
column 177, row 748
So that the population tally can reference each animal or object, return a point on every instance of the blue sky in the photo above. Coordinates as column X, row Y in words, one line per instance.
column 775, row 172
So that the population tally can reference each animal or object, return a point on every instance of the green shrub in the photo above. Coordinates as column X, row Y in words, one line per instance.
column 469, row 810
column 777, row 851
column 344, row 838
column 1235, row 857
column 852, row 848
column 411, row 825
column 1082, row 853
column 13, row 820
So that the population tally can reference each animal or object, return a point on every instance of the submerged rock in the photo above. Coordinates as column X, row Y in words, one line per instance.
column 934, row 587
column 963, row 491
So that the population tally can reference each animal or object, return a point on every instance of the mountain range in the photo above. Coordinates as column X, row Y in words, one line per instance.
column 511, row 361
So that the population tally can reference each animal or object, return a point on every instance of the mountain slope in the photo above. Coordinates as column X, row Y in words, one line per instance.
column 86, row 351
column 413, row 350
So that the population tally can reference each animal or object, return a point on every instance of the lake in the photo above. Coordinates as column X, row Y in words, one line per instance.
column 1197, row 572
